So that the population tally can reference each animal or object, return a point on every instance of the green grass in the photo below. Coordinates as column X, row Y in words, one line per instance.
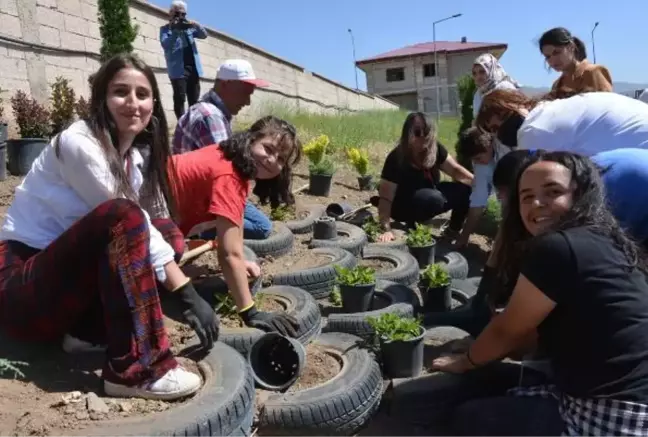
column 357, row 129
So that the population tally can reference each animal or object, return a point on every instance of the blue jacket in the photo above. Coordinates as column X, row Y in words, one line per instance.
column 173, row 45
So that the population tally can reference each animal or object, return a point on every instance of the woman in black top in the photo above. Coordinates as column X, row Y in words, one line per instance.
column 581, row 292
column 410, row 188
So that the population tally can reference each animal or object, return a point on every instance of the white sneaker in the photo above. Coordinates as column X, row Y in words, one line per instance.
column 176, row 383
column 73, row 345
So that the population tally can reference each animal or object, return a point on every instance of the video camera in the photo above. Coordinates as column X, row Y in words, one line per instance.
column 180, row 21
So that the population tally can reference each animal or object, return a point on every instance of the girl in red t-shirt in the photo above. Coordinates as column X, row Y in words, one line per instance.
column 211, row 186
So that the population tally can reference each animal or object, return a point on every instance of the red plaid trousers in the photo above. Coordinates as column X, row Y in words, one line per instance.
column 96, row 280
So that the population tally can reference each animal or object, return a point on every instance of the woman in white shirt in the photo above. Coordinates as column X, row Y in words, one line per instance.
column 586, row 123
column 489, row 75
column 80, row 259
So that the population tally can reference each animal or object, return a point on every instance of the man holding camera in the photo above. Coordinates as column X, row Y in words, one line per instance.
column 178, row 39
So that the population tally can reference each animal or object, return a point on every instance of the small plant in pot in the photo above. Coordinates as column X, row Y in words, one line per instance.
column 421, row 244
column 434, row 285
column 63, row 104
column 357, row 288
column 401, row 344
column 321, row 168
column 360, row 161
column 33, row 121
column 373, row 229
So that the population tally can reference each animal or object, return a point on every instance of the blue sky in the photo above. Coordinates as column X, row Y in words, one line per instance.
column 314, row 34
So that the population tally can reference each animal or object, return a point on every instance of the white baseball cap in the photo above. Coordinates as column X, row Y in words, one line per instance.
column 239, row 69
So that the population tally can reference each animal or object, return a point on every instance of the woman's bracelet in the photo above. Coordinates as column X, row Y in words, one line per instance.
column 472, row 363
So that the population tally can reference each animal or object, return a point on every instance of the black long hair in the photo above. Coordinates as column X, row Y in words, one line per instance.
column 589, row 209
column 153, row 141
column 237, row 149
column 561, row 37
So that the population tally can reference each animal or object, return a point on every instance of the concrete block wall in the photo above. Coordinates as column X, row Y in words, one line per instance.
column 61, row 38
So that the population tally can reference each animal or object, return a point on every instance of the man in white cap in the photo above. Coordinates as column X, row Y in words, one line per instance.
column 210, row 120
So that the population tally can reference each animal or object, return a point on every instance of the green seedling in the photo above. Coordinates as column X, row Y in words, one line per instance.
column 360, row 275
column 392, row 327
column 282, row 213
column 335, row 298
column 435, row 275
column 372, row 229
column 420, row 236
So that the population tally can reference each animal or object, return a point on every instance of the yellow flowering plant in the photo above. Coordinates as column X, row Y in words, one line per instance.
column 315, row 151
column 359, row 159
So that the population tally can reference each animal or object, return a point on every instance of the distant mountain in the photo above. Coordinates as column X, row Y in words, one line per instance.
column 627, row 88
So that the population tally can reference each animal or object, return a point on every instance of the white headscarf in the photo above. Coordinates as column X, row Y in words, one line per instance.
column 494, row 71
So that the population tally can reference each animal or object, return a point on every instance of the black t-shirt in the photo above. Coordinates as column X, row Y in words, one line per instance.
column 188, row 55
column 408, row 178
column 597, row 335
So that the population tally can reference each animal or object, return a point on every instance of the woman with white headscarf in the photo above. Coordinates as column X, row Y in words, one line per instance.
column 489, row 75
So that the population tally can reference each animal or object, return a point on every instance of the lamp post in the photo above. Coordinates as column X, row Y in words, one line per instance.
column 355, row 67
column 594, row 46
column 436, row 65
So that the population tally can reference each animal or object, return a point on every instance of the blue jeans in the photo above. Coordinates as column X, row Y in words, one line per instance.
column 256, row 226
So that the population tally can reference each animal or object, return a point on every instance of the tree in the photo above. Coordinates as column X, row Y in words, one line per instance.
column 466, row 88
column 117, row 31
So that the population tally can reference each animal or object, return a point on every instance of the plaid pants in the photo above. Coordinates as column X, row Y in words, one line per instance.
column 600, row 416
column 99, row 265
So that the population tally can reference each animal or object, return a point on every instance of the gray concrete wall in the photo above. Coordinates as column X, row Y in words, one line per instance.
column 61, row 38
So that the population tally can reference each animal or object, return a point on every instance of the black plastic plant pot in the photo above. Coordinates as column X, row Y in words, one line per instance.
column 365, row 183
column 403, row 358
column 436, row 299
column 320, row 185
column 335, row 210
column 324, row 228
column 357, row 298
column 424, row 254
column 22, row 152
column 276, row 361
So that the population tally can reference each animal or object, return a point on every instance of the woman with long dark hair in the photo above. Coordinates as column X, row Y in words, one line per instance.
column 211, row 186
column 581, row 295
column 567, row 55
column 411, row 190
column 581, row 123
column 81, row 259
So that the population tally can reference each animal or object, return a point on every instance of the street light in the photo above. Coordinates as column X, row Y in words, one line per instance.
column 355, row 67
column 436, row 64
column 593, row 46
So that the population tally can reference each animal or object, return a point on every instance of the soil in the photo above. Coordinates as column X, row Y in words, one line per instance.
column 263, row 303
column 320, row 367
column 203, row 266
column 298, row 215
column 378, row 265
column 300, row 258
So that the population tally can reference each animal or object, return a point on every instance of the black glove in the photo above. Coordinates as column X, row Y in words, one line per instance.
column 282, row 323
column 199, row 315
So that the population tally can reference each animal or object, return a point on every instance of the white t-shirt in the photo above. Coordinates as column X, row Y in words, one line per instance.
column 586, row 124
column 483, row 176
column 58, row 192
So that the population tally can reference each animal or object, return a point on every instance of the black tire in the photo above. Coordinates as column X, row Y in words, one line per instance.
column 318, row 281
column 341, row 406
column 278, row 244
column 393, row 245
column 224, row 406
column 406, row 270
column 350, row 238
column 467, row 286
column 455, row 263
column 305, row 225
column 299, row 304
column 403, row 302
column 216, row 284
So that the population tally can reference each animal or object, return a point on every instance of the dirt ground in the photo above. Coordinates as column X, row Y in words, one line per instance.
column 61, row 392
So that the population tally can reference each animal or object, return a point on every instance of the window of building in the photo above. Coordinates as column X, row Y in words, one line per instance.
column 429, row 70
column 395, row 74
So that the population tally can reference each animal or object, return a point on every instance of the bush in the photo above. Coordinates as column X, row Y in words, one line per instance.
column 1, row 105
column 82, row 108
column 359, row 159
column 33, row 119
column 63, row 104
column 316, row 150
column 467, row 89
column 117, row 31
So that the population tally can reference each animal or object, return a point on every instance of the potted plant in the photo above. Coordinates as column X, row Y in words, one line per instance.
column 421, row 243
column 3, row 140
column 33, row 121
column 321, row 167
column 357, row 288
column 360, row 161
column 434, row 285
column 401, row 344
column 373, row 229
column 63, row 105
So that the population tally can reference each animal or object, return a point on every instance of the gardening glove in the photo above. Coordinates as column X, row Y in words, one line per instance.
column 282, row 323
column 198, row 314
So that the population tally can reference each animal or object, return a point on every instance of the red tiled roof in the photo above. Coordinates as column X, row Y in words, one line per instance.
column 428, row 47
